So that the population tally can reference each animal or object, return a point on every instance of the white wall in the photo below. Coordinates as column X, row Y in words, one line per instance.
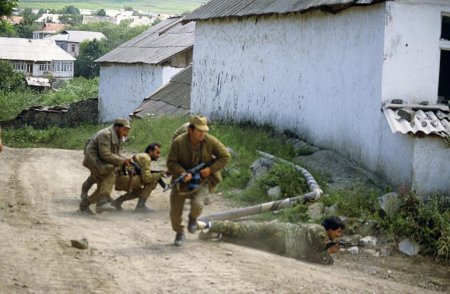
column 412, row 53
column 411, row 72
column 318, row 74
column 431, row 165
column 123, row 87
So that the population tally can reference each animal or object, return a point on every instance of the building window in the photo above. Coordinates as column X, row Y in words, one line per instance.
column 43, row 67
column 445, row 30
column 73, row 48
column 444, row 68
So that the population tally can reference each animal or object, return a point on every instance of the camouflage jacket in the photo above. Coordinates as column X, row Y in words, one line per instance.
column 301, row 241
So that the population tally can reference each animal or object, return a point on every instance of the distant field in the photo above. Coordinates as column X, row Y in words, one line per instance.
column 157, row 6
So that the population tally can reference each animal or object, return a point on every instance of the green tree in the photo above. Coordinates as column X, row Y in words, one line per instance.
column 89, row 51
column 10, row 80
column 71, row 19
column 69, row 10
column 101, row 12
column 6, row 8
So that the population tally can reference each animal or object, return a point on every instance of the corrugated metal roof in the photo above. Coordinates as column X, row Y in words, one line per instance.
column 155, row 45
column 32, row 49
column 240, row 8
column 418, row 119
column 174, row 98
column 77, row 36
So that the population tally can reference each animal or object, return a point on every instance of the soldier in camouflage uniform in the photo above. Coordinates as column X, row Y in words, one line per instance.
column 142, row 184
column 301, row 241
column 187, row 151
column 101, row 156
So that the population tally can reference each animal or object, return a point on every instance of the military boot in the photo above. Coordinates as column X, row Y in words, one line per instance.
column 84, row 206
column 179, row 239
column 141, row 207
column 192, row 225
column 118, row 203
column 103, row 205
column 85, row 187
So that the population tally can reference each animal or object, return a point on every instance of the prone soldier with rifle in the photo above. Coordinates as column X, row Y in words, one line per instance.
column 138, row 180
column 195, row 160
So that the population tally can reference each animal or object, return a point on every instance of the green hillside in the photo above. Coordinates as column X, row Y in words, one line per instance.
column 156, row 6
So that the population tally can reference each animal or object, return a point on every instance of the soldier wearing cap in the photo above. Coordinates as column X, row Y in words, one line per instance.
column 101, row 156
column 187, row 151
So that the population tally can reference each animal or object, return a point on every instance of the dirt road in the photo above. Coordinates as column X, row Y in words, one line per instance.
column 132, row 253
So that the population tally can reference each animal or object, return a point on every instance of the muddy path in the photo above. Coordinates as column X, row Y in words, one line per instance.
column 133, row 253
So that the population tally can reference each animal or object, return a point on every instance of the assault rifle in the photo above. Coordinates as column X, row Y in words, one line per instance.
column 341, row 243
column 195, row 171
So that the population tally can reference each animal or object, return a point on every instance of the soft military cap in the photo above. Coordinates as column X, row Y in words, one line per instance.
column 200, row 123
column 123, row 121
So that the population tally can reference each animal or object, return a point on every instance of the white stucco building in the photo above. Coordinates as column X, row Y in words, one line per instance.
column 134, row 70
column 70, row 40
column 329, row 71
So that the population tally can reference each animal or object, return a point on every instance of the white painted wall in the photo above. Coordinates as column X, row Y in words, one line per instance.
column 123, row 87
column 411, row 51
column 411, row 72
column 325, row 76
column 431, row 165
column 318, row 74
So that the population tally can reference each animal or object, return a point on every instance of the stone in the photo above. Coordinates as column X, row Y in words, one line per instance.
column 315, row 211
column 368, row 241
column 80, row 244
column 389, row 203
column 274, row 193
column 409, row 247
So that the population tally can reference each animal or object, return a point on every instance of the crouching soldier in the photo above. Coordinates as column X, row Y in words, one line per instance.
column 101, row 156
column 309, row 242
column 140, row 181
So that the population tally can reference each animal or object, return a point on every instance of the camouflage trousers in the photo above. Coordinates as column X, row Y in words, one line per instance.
column 177, row 200
column 301, row 241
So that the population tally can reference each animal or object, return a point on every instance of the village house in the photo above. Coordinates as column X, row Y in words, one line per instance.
column 39, row 60
column 137, row 68
column 70, row 40
column 369, row 79
column 49, row 29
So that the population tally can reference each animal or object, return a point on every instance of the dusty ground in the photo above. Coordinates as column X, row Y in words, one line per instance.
column 131, row 253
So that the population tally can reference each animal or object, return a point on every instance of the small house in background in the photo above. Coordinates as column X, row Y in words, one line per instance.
column 48, row 18
column 13, row 19
column 39, row 60
column 369, row 79
column 137, row 68
column 70, row 40
column 49, row 29
column 174, row 98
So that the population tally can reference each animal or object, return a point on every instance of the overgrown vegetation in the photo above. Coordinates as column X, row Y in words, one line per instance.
column 13, row 102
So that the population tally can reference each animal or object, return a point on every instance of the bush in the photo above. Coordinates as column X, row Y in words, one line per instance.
column 427, row 223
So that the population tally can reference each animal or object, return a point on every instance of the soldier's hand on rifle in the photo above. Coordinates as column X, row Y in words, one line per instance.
column 333, row 249
column 206, row 172
column 188, row 177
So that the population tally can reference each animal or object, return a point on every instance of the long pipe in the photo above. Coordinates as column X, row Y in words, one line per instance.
column 273, row 205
